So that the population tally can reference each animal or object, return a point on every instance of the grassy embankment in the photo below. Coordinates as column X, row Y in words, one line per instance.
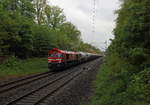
column 114, row 91
column 16, row 68
column 101, row 79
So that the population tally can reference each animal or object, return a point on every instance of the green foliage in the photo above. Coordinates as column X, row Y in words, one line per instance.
column 15, row 33
column 85, row 47
column 138, row 90
column 11, row 61
column 15, row 36
column 138, row 56
column 43, row 40
column 54, row 16
column 14, row 67
column 125, row 77
column 40, row 6
column 31, row 28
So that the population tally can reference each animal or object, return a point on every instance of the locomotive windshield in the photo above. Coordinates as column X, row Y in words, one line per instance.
column 56, row 55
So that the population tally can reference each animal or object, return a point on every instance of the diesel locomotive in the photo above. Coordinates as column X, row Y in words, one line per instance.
column 60, row 59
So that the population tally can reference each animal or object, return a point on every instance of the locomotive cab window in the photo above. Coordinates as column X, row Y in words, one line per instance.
column 56, row 55
column 51, row 55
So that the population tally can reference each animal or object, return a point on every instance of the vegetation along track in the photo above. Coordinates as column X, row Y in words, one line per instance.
column 40, row 92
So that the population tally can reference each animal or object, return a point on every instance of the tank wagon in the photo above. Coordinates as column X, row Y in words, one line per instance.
column 60, row 59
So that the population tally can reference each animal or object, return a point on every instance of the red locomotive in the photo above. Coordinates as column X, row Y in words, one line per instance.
column 60, row 59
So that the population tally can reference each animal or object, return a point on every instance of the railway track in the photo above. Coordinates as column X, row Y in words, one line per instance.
column 5, row 83
column 37, row 96
column 49, row 83
column 6, row 95
column 51, row 99
column 13, row 84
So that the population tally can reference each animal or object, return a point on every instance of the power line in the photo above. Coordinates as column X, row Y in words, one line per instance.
column 93, row 16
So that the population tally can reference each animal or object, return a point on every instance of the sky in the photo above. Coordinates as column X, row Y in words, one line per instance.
column 80, row 13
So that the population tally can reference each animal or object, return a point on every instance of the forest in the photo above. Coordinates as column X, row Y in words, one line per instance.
column 30, row 28
column 124, row 78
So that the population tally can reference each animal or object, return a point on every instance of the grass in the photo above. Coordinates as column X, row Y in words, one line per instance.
column 101, row 78
column 108, row 90
column 112, row 89
column 16, row 68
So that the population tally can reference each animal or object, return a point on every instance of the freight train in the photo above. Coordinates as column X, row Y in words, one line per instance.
column 60, row 59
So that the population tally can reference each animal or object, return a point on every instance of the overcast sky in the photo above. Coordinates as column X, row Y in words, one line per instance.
column 79, row 12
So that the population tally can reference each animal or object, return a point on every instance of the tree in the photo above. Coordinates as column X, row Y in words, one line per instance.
column 27, row 8
column 15, row 33
column 54, row 16
column 43, row 40
column 127, row 63
column 32, row 28
column 21, row 7
column 72, row 33
column 40, row 6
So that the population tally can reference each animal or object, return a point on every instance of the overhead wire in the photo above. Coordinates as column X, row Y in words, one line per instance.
column 93, row 17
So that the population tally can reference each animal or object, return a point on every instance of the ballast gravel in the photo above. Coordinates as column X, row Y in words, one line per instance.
column 79, row 90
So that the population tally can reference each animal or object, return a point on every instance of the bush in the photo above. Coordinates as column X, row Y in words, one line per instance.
column 138, row 89
column 11, row 61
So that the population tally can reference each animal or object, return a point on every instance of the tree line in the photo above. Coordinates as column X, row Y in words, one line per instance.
column 32, row 27
column 126, row 76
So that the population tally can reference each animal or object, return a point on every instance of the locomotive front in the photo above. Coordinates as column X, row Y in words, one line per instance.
column 55, row 59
